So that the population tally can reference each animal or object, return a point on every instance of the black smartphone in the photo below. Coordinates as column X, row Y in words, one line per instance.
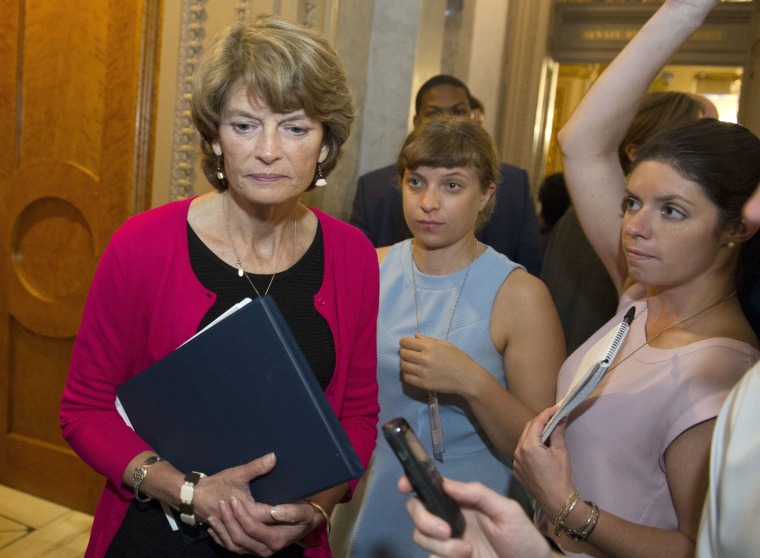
column 422, row 473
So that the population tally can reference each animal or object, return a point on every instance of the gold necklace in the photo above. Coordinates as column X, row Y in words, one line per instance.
column 241, row 271
column 678, row 323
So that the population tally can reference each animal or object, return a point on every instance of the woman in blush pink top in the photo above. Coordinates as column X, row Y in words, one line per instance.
column 626, row 475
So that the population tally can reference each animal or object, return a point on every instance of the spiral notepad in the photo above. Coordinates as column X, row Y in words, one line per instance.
column 587, row 383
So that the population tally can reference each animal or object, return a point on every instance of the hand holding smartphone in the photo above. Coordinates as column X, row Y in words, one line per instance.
column 423, row 475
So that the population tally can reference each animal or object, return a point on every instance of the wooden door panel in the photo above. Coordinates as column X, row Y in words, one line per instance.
column 38, row 460
column 71, row 74
column 53, row 247
column 63, row 78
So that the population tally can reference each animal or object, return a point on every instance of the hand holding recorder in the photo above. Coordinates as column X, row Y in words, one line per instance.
column 422, row 473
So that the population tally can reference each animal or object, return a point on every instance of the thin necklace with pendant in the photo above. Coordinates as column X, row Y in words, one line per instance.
column 434, row 413
column 671, row 326
column 241, row 271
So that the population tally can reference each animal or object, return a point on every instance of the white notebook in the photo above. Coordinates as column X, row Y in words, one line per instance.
column 590, row 372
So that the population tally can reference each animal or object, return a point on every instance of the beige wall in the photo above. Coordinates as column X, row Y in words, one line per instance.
column 389, row 48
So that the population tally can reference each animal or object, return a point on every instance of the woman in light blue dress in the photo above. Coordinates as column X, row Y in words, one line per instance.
column 459, row 323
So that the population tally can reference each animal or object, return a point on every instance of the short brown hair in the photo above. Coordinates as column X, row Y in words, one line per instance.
column 660, row 109
column 451, row 143
column 287, row 66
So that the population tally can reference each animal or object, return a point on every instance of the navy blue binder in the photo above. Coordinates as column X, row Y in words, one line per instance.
column 236, row 391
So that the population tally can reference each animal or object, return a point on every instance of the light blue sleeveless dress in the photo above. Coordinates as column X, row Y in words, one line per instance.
column 384, row 528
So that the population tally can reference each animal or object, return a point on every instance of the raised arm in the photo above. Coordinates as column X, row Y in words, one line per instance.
column 591, row 137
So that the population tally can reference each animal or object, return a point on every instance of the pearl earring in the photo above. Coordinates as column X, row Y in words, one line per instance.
column 730, row 244
column 321, row 180
column 219, row 173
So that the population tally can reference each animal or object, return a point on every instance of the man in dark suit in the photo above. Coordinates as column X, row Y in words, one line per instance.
column 513, row 229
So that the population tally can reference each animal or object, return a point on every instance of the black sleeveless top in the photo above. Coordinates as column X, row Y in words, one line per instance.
column 292, row 289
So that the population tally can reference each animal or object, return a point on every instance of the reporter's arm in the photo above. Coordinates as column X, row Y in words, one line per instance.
column 522, row 312
column 591, row 137
column 545, row 472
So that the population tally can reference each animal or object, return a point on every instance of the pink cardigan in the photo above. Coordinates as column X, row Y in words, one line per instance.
column 145, row 301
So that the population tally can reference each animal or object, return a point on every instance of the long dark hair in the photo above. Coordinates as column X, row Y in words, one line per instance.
column 724, row 159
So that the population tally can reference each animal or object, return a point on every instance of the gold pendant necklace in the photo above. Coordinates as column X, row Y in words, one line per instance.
column 241, row 271
column 678, row 323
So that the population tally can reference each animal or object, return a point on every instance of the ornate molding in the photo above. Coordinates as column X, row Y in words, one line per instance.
column 184, row 135
column 321, row 15
column 146, row 117
column 310, row 12
column 241, row 10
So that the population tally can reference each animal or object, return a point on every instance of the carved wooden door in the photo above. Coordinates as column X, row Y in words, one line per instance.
column 75, row 95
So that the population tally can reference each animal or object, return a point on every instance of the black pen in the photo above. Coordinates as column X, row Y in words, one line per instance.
column 629, row 315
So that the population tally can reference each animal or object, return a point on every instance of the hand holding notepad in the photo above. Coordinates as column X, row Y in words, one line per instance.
column 596, row 363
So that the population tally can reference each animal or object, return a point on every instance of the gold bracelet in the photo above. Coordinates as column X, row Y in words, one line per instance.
column 321, row 510
column 583, row 533
column 564, row 511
